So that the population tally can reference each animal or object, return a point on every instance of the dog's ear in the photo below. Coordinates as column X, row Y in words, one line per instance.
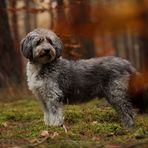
column 58, row 45
column 26, row 48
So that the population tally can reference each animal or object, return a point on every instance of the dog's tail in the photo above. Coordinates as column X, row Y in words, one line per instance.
column 139, row 92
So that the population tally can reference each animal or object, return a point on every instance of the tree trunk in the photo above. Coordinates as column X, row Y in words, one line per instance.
column 14, row 21
column 10, row 64
column 144, row 39
column 27, row 16
column 80, row 16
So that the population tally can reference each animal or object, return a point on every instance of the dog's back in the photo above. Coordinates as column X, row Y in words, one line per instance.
column 86, row 79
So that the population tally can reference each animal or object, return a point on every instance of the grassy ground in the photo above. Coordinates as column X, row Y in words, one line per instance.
column 94, row 124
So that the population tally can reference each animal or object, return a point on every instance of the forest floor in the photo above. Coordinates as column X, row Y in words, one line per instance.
column 89, row 125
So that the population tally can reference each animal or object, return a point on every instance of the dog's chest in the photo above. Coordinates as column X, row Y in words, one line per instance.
column 41, row 85
column 34, row 83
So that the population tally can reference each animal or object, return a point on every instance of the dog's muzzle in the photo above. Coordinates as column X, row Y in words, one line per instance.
column 45, row 52
column 44, row 55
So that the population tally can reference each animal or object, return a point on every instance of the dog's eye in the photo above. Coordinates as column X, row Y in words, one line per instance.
column 49, row 40
column 38, row 42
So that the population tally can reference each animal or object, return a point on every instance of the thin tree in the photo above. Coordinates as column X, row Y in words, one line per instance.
column 80, row 16
column 10, row 63
column 27, row 16
column 14, row 23
column 69, row 23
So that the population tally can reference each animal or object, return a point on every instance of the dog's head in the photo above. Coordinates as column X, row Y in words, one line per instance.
column 41, row 46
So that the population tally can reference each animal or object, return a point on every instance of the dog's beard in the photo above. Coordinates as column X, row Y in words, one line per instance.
column 43, row 58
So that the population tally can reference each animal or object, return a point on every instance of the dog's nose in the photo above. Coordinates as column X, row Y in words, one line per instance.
column 46, row 50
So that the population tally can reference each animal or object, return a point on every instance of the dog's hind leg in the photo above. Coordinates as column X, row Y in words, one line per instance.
column 117, row 96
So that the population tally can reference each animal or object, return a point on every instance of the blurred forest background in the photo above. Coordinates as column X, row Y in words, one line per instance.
column 88, row 28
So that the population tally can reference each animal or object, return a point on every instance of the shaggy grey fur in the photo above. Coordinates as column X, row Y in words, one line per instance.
column 56, row 81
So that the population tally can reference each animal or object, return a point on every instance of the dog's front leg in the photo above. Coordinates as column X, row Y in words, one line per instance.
column 53, row 112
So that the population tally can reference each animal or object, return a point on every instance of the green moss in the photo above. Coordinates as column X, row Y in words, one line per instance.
column 88, row 125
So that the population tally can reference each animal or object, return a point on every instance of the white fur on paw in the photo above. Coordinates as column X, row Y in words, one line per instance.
column 53, row 120
column 56, row 120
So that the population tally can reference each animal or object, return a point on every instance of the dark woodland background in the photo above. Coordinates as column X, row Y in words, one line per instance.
column 88, row 28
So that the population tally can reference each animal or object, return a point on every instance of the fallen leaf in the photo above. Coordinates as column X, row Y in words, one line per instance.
column 65, row 129
column 95, row 138
column 94, row 122
column 44, row 134
column 110, row 134
column 55, row 134
column 34, row 140
column 5, row 124
column 112, row 146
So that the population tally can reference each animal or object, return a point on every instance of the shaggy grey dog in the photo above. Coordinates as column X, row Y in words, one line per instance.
column 55, row 81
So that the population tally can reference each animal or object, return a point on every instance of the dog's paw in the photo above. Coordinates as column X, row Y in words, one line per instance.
column 128, row 122
column 54, row 120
